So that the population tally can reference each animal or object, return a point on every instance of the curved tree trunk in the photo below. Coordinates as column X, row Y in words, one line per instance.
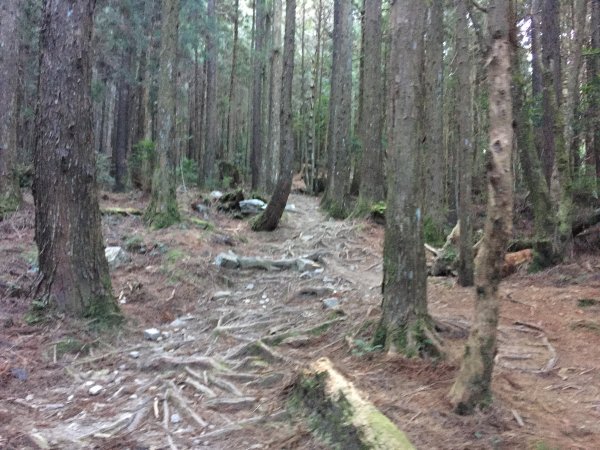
column 405, row 323
column 162, row 210
column 73, row 270
column 473, row 386
column 10, row 194
column 269, row 219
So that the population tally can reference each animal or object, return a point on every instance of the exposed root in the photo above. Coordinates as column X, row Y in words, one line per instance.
column 225, row 385
column 173, row 394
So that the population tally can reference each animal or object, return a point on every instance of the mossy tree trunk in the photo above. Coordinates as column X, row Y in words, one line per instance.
column 335, row 200
column 257, row 108
column 371, row 169
column 464, row 152
column 73, row 276
column 405, row 323
column 269, row 219
column 472, row 387
column 10, row 194
column 162, row 210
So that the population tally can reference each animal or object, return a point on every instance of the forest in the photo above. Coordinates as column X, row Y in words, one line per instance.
column 299, row 224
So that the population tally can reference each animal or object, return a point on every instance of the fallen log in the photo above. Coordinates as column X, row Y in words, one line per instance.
column 116, row 211
column 338, row 412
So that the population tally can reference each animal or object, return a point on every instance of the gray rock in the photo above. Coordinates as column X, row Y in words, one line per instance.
column 134, row 354
column 252, row 206
column 152, row 334
column 228, row 260
column 177, row 323
column 331, row 303
column 116, row 256
column 215, row 195
column 175, row 418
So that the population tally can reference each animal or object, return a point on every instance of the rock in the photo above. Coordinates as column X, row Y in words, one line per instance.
column 291, row 207
column 250, row 286
column 134, row 354
column 228, row 260
column 221, row 294
column 116, row 256
column 252, row 206
column 201, row 208
column 95, row 390
column 152, row 334
column 40, row 441
column 331, row 303
column 303, row 264
column 177, row 323
column 19, row 373
column 215, row 195
column 175, row 418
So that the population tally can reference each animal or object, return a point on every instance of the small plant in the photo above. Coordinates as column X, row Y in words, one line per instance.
column 362, row 347
column 188, row 171
column 103, row 177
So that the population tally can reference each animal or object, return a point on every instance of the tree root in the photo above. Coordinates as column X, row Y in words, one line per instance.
column 173, row 394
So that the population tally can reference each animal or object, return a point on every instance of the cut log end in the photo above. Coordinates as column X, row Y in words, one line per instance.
column 339, row 413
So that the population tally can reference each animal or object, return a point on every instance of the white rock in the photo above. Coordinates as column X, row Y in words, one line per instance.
column 95, row 390
column 116, row 256
column 152, row 334
column 215, row 195
column 29, row 397
column 252, row 206
column 250, row 286
column 221, row 294
column 175, row 418
column 134, row 354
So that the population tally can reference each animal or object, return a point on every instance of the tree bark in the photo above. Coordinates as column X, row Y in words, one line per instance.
column 335, row 201
column 405, row 325
column 122, row 122
column 162, row 210
column 73, row 276
column 473, row 385
column 464, row 151
column 269, row 219
column 274, row 134
column 231, row 132
column 371, row 177
column 10, row 194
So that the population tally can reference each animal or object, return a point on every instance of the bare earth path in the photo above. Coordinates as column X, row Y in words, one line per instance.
column 233, row 340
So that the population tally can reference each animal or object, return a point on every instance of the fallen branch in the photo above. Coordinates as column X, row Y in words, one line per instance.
column 116, row 211
column 231, row 404
column 336, row 409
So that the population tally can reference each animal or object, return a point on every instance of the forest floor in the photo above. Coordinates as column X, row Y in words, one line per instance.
column 234, row 341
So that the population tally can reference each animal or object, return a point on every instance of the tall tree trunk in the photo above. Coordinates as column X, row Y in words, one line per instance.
column 273, row 149
column 371, row 177
column 256, row 151
column 74, row 276
column 335, row 201
column 564, row 164
column 434, row 115
column 10, row 194
column 231, row 147
column 592, row 160
column 162, row 210
column 537, row 84
column 122, row 123
column 405, row 324
column 464, row 106
column 270, row 218
column 473, row 385
column 210, row 148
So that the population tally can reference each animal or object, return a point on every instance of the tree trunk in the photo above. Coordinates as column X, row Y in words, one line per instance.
column 371, row 170
column 335, row 201
column 231, row 147
column 268, row 220
column 593, row 149
column 122, row 123
column 464, row 151
column 405, row 325
column 162, row 210
column 10, row 194
column 256, row 151
column 473, row 386
column 210, row 148
column 434, row 115
column 73, row 275
column 274, row 134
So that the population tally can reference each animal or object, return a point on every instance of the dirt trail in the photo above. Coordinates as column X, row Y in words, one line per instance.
column 234, row 339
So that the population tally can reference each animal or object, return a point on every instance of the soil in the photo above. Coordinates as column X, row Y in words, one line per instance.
column 218, row 387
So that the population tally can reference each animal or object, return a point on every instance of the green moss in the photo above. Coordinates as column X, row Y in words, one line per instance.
column 9, row 202
column 335, row 210
column 134, row 243
column 433, row 233
column 71, row 345
column 203, row 224
column 587, row 302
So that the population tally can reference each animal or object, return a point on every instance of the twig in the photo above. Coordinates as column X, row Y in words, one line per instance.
column 553, row 357
column 517, row 417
